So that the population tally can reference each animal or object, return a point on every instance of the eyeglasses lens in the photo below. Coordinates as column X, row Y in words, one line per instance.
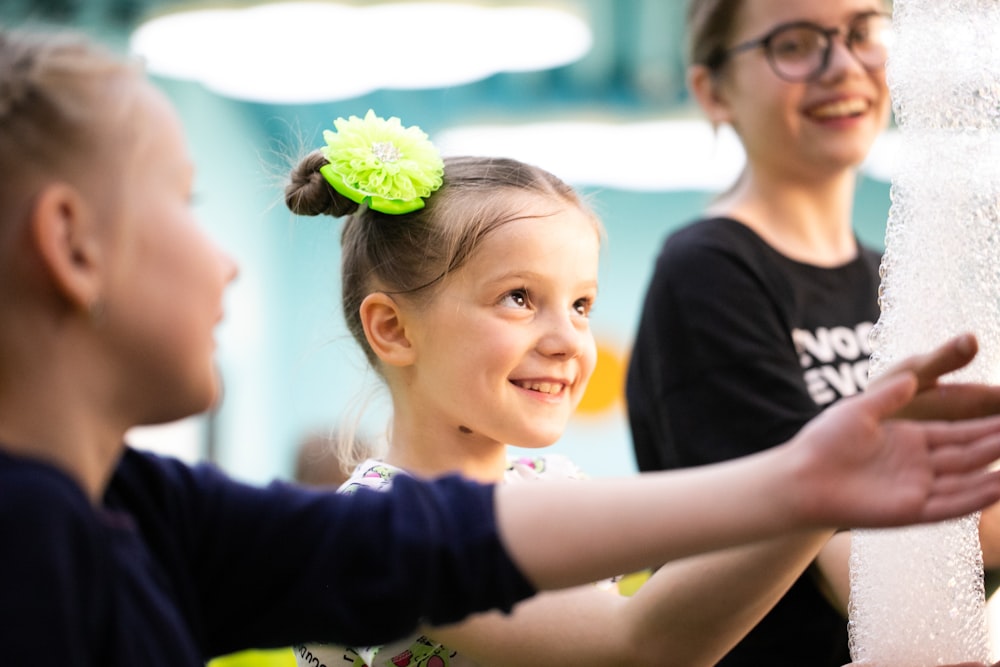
column 801, row 52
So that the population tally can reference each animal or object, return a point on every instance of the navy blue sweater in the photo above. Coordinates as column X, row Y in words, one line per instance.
column 181, row 563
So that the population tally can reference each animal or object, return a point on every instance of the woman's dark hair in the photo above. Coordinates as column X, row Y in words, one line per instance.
column 710, row 26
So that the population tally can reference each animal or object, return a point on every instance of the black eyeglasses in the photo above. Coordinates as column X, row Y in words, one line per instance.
column 800, row 51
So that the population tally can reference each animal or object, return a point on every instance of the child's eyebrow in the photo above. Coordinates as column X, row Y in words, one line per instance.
column 528, row 276
column 511, row 275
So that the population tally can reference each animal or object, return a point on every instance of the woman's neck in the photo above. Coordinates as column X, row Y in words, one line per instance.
column 809, row 221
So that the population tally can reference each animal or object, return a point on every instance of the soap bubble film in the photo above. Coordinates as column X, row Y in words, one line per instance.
column 917, row 594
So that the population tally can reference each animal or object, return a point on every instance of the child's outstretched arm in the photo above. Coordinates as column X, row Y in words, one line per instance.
column 853, row 466
column 692, row 611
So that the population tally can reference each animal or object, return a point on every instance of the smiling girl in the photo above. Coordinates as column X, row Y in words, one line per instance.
column 473, row 306
column 110, row 292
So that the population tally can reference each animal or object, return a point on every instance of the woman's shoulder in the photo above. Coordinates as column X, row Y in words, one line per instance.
column 714, row 233
column 715, row 250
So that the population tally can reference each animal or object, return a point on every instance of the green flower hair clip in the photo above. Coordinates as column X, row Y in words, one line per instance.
column 382, row 164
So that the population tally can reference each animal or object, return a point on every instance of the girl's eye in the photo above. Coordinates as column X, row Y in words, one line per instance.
column 583, row 306
column 517, row 298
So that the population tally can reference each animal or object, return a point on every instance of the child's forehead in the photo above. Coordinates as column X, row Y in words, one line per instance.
column 548, row 236
column 551, row 217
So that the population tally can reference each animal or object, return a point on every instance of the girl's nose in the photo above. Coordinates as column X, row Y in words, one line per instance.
column 563, row 336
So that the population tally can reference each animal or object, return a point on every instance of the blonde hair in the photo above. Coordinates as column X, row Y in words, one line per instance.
column 62, row 98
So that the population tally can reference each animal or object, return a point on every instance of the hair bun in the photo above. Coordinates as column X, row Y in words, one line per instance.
column 308, row 193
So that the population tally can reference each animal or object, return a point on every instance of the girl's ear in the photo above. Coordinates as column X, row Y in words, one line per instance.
column 385, row 329
column 704, row 87
column 64, row 234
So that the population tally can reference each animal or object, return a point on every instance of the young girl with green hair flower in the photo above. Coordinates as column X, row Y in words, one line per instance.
column 110, row 293
column 473, row 308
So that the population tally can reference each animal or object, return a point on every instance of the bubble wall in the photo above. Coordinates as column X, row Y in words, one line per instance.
column 917, row 593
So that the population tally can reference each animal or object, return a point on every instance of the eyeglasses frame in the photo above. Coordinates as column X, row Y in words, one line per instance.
column 764, row 42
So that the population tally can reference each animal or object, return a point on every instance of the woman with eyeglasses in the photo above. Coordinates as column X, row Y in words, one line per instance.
column 757, row 315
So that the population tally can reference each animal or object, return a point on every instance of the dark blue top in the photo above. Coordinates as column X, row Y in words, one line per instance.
column 180, row 564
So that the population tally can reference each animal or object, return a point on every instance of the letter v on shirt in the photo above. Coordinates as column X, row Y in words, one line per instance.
column 834, row 360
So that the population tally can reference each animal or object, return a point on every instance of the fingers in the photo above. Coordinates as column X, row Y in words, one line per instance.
column 889, row 395
column 954, row 401
column 961, row 485
column 948, row 357
column 958, row 458
column 961, row 495
column 954, row 485
column 947, row 401
column 967, row 458
column 943, row 434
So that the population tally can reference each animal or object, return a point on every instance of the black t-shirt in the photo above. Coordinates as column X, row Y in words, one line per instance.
column 737, row 348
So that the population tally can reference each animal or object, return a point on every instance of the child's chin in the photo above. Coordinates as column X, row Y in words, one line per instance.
column 542, row 441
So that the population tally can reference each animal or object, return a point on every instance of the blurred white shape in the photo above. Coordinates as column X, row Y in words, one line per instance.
column 917, row 593
column 653, row 156
column 303, row 52
column 881, row 162
column 183, row 439
column 642, row 156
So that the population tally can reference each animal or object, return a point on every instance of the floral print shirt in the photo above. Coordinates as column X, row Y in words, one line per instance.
column 419, row 650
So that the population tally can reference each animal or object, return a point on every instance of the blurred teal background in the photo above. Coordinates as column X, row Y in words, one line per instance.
column 288, row 365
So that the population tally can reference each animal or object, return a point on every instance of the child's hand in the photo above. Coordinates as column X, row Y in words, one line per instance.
column 870, row 469
column 949, row 400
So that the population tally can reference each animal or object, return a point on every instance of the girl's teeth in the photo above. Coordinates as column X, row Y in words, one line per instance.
column 543, row 387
